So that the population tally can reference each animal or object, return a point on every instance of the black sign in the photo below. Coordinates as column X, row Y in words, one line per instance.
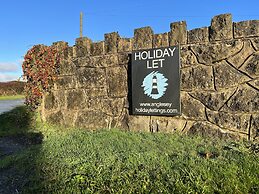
column 156, row 81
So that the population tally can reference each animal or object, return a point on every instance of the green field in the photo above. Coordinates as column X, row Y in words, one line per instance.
column 115, row 161
column 15, row 97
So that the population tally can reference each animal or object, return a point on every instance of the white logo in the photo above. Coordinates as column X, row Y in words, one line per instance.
column 155, row 85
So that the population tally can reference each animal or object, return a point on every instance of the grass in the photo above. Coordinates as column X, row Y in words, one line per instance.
column 18, row 121
column 15, row 97
column 114, row 161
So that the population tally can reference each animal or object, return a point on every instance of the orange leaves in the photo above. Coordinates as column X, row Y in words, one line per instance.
column 39, row 67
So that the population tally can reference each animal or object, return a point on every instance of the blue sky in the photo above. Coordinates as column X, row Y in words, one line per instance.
column 25, row 23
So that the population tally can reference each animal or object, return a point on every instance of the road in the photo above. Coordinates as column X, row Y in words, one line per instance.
column 7, row 105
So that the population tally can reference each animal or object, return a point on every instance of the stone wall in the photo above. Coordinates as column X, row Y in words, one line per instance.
column 219, row 81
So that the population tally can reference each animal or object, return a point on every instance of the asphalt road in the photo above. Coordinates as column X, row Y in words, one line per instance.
column 7, row 105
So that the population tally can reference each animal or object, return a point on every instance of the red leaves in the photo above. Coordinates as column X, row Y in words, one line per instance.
column 39, row 67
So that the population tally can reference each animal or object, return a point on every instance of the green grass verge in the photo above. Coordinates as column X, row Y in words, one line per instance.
column 113, row 161
column 17, row 121
column 16, row 97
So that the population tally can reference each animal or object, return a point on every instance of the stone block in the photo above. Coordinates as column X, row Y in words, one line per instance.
column 139, row 123
column 188, row 58
column 106, row 105
column 246, row 29
column 96, row 92
column 55, row 117
column 125, row 45
column 83, row 47
column 227, row 76
column 96, row 104
column 254, row 129
column 143, row 38
column 167, row 124
column 97, row 61
column 110, row 106
column 207, row 129
column 67, row 68
column 210, row 53
column 124, row 59
column 111, row 42
column 92, row 120
column 160, row 40
column 198, row 77
column 62, row 47
column 50, row 101
column 61, row 98
column 54, row 100
column 221, row 27
column 69, row 53
column 187, row 127
column 246, row 99
column 255, row 83
column 230, row 121
column 199, row 35
column 213, row 100
column 191, row 108
column 91, row 77
column 251, row 66
column 75, row 99
column 178, row 33
column 123, row 119
column 69, row 118
column 74, row 54
column 116, row 106
column 255, row 43
column 64, row 82
column 239, row 59
column 117, row 81
column 97, row 48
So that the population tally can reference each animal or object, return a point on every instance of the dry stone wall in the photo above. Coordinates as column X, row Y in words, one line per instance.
column 219, row 81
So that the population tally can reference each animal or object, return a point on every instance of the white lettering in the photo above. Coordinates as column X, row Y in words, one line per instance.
column 137, row 55
column 172, row 51
column 155, row 54
column 150, row 56
column 161, row 61
column 144, row 57
column 154, row 64
column 148, row 65
column 159, row 53
column 166, row 53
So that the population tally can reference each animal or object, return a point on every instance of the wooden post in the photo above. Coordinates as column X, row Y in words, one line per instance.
column 81, row 24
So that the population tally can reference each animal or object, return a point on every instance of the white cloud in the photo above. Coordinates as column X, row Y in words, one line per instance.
column 10, row 71
column 8, row 67
column 8, row 77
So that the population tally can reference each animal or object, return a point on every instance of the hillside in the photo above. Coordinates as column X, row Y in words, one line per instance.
column 11, row 88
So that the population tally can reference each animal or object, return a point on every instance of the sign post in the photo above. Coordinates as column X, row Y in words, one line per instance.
column 156, row 81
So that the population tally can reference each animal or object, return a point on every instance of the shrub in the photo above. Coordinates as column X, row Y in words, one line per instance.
column 40, row 68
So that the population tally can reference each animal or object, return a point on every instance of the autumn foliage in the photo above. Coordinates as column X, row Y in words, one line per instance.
column 11, row 88
column 40, row 68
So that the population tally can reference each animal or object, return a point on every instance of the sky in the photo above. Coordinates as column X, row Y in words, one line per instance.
column 24, row 23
